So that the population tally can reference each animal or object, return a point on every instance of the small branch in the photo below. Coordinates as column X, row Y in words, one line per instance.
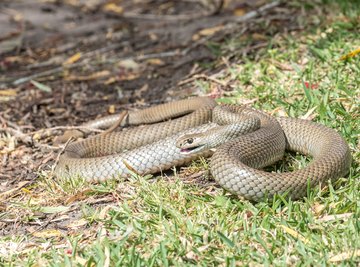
column 255, row 13
column 122, row 115
column 131, row 15
column 62, row 68
column 26, row 139
column 202, row 76
column 84, row 128
column 215, row 10
column 44, row 73
column 59, row 154
column 247, row 16
column 31, row 138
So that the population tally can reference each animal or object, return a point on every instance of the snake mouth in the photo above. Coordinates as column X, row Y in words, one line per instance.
column 190, row 150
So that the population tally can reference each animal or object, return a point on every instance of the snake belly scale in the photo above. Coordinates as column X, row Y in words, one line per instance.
column 236, row 164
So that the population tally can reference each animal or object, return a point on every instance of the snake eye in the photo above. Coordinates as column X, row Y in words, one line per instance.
column 190, row 140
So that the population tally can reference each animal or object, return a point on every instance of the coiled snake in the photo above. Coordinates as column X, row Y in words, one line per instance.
column 245, row 139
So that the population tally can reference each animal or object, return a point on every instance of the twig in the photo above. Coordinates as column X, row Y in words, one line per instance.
column 153, row 55
column 44, row 73
column 12, row 192
column 247, row 16
column 85, row 55
column 122, row 115
column 59, row 154
column 131, row 15
column 215, row 10
column 26, row 139
column 66, row 128
column 6, row 122
column 253, row 47
column 255, row 13
column 219, row 7
column 74, row 65
column 202, row 76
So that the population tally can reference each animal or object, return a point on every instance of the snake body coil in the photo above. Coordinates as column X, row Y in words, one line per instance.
column 235, row 164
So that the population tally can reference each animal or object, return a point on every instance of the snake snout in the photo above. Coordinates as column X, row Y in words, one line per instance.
column 191, row 143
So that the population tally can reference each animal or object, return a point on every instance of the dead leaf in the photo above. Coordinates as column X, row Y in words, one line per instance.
column 334, row 217
column 210, row 31
column 79, row 196
column 112, row 7
column 107, row 257
column 14, row 59
column 259, row 37
column 92, row 76
column 111, row 80
column 345, row 256
column 279, row 111
column 239, row 12
column 10, row 44
column 111, row 109
column 104, row 213
column 26, row 191
column 16, row 15
column 294, row 234
column 318, row 208
column 51, row 210
column 351, row 54
column 203, row 248
column 281, row 66
column 8, row 92
column 153, row 37
column 77, row 224
column 41, row 86
column 138, row 93
column 72, row 59
column 47, row 233
column 11, row 192
column 129, row 77
column 37, row 136
column 192, row 256
column 155, row 61
column 195, row 37
column 309, row 115
column 82, row 261
column 129, row 64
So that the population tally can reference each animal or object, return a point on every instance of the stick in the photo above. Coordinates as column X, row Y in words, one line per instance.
column 67, row 128
column 123, row 114
column 59, row 154
column 255, row 13
column 202, row 76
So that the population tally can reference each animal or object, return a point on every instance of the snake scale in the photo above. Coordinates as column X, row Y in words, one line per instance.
column 253, row 140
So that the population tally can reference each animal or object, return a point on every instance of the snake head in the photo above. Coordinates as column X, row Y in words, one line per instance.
column 191, row 143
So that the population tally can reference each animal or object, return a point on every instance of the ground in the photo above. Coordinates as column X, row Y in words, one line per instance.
column 67, row 62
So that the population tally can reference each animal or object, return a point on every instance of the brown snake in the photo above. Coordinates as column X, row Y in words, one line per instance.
column 250, row 140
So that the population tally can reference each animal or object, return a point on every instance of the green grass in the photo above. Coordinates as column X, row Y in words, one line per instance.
column 165, row 222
